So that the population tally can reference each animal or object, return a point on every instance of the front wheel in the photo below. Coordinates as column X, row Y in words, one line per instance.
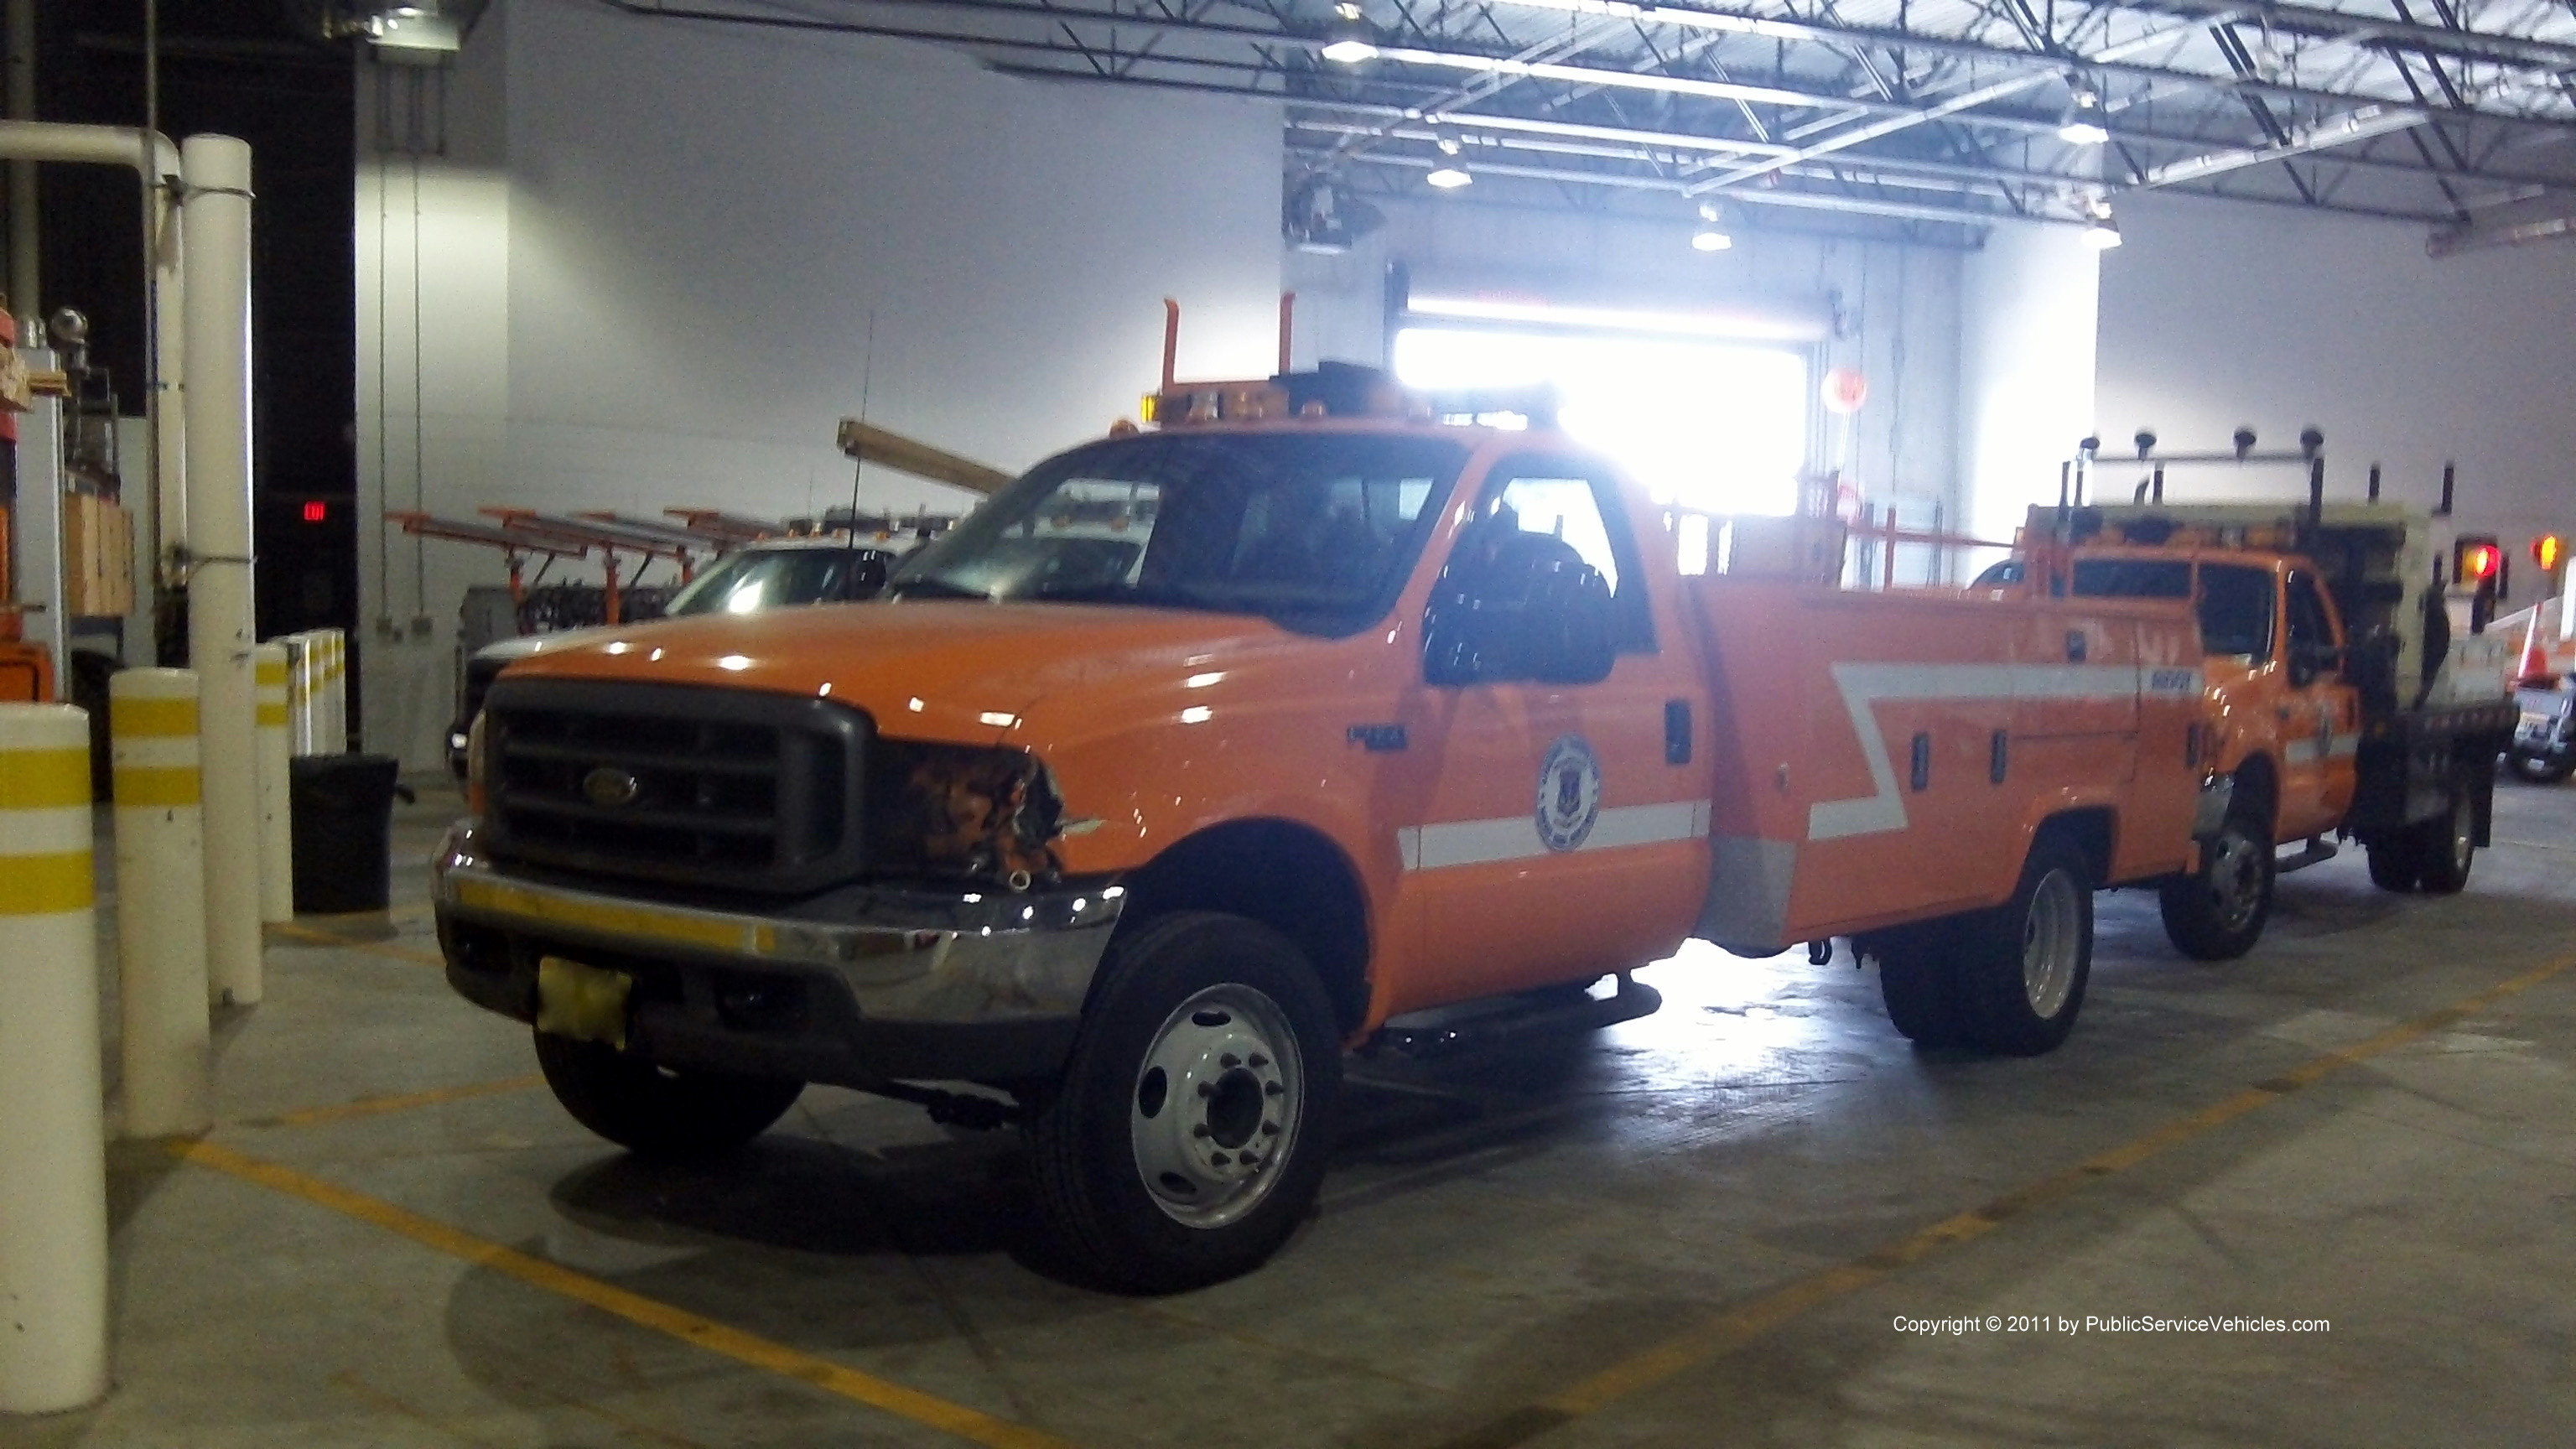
column 657, row 1111
column 2022, row 967
column 2394, row 863
column 2217, row 912
column 2541, row 769
column 2446, row 846
column 1187, row 1138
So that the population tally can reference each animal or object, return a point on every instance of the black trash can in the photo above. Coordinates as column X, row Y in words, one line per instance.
column 342, row 807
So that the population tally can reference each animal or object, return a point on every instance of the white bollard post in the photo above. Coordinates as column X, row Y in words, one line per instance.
column 53, row 1154
column 337, row 651
column 276, row 812
column 221, row 633
column 300, row 691
column 160, row 902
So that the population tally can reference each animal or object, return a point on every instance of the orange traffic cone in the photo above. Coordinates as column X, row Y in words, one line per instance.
column 2534, row 668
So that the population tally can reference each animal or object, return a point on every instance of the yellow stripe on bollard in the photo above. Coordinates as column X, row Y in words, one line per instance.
column 132, row 718
column 45, row 885
column 148, row 785
column 269, row 672
column 43, row 779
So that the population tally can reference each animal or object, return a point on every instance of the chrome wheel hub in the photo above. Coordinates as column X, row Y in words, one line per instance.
column 1216, row 1106
column 2051, row 938
column 2235, row 878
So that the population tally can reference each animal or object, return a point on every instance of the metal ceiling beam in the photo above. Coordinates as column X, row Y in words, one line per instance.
column 2315, row 22
column 1857, row 38
column 1486, row 121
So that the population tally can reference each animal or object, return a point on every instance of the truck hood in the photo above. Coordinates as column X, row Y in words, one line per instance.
column 958, row 670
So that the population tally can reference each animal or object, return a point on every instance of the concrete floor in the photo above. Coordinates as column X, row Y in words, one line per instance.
column 1700, row 1228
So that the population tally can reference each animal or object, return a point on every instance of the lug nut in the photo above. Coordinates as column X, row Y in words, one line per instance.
column 1273, row 1089
column 1218, row 1158
column 1201, row 1130
column 1229, row 1061
column 1269, row 1129
column 1257, row 1061
column 1207, row 1089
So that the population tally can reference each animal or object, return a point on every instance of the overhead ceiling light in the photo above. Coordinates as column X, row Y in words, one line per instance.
column 1450, row 178
column 2082, row 123
column 1349, row 40
column 1711, row 234
column 2101, row 232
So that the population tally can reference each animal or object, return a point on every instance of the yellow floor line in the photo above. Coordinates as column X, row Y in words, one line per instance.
column 752, row 1350
column 294, row 931
column 377, row 1106
column 1734, row 1329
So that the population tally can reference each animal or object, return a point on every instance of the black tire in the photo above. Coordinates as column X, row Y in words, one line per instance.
column 1914, row 980
column 2395, row 864
column 658, row 1111
column 1206, row 1035
column 2540, row 769
column 2446, row 846
column 2217, row 912
column 2021, row 968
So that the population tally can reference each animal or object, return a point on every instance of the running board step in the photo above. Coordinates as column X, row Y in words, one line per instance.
column 2318, row 852
column 1477, row 1026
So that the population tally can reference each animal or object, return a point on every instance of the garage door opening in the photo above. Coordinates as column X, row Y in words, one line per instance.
column 1716, row 427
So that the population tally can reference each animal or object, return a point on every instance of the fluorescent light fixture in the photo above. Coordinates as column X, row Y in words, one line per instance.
column 1450, row 178
column 2082, row 123
column 1349, row 40
column 1710, row 235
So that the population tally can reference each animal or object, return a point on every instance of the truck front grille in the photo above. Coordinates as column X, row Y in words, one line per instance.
column 727, row 789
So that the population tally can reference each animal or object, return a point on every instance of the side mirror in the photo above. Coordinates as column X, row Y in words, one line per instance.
column 2307, row 661
column 1519, row 606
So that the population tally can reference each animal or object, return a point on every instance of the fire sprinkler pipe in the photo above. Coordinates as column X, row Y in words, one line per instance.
column 216, row 193
column 157, row 162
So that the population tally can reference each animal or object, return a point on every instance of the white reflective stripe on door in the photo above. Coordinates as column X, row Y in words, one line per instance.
column 1481, row 842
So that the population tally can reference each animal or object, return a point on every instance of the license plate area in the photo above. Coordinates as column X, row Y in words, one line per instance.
column 583, row 1003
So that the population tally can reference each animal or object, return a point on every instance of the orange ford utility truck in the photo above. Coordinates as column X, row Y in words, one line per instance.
column 1202, row 754
column 2341, row 700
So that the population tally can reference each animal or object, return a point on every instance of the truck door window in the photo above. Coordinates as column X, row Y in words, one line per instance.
column 2309, row 628
column 1584, row 512
column 2236, row 609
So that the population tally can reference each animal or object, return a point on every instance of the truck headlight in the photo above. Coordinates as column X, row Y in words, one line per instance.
column 478, row 747
column 969, row 811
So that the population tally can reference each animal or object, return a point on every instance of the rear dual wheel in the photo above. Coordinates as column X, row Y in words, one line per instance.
column 2007, row 980
column 2434, row 856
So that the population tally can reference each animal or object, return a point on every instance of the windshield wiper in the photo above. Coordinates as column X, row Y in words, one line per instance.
column 937, row 588
column 1164, row 596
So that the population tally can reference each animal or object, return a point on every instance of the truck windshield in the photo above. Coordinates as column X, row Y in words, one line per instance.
column 754, row 579
column 1311, row 529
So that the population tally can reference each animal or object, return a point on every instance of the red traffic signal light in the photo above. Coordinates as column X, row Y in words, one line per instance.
column 2548, row 551
column 2479, row 562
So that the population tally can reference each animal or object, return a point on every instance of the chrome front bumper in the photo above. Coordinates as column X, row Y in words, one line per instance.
column 962, row 958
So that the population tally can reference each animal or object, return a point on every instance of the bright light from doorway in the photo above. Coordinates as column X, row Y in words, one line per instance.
column 1709, row 426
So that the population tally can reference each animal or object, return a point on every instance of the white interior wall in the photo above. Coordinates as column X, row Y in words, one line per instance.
column 2026, row 364
column 2215, row 316
column 656, row 285
column 1899, row 307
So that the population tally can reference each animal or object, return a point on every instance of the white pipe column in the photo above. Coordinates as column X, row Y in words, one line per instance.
column 216, row 202
column 276, row 820
column 53, row 1156
column 152, row 157
column 160, row 902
